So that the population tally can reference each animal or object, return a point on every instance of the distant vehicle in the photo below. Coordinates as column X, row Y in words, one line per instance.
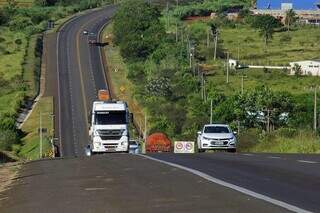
column 133, row 147
column 216, row 137
column 92, row 38
column 109, row 126
column 85, row 32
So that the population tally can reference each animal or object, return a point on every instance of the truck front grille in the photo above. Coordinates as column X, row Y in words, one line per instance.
column 110, row 137
column 110, row 134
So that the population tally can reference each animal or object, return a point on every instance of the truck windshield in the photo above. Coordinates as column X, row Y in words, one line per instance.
column 110, row 117
column 216, row 129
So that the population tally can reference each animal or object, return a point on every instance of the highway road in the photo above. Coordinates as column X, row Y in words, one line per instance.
column 204, row 182
column 80, row 75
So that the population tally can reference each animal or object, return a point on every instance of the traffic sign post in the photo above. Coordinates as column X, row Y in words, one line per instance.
column 183, row 147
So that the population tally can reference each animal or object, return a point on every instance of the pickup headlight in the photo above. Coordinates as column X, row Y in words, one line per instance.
column 205, row 138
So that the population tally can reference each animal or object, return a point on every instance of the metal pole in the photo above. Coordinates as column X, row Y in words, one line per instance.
column 211, row 116
column 40, row 145
column 315, row 110
column 227, row 67
column 242, row 83
column 208, row 37
column 215, row 45
column 145, row 127
column 176, row 32
column 268, row 121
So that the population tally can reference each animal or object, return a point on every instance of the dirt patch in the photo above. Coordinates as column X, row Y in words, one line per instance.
column 8, row 172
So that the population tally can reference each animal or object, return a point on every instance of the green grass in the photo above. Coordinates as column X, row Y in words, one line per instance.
column 30, row 142
column 11, row 54
column 280, row 141
column 31, row 68
column 277, row 80
column 253, row 51
column 20, row 3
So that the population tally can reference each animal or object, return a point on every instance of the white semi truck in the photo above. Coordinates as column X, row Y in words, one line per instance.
column 109, row 126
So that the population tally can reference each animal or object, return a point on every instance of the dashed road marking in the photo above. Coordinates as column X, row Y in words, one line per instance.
column 94, row 189
column 274, row 157
column 247, row 154
column 307, row 161
column 232, row 186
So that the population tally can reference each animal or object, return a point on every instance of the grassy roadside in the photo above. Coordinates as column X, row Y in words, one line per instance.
column 30, row 142
column 122, row 88
column 32, row 65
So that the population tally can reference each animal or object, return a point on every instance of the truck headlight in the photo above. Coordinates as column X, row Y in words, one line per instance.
column 97, row 143
column 124, row 143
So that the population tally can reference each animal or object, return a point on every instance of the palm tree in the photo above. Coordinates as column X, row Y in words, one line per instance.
column 291, row 18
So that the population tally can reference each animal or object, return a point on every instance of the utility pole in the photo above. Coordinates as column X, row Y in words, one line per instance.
column 242, row 83
column 227, row 67
column 215, row 45
column 167, row 11
column 40, row 128
column 211, row 116
column 315, row 110
column 145, row 127
column 177, row 32
column 202, row 86
column 208, row 37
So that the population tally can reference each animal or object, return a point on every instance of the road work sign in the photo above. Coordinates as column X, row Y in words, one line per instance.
column 183, row 147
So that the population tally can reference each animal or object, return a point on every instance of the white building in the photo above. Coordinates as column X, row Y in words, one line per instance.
column 309, row 67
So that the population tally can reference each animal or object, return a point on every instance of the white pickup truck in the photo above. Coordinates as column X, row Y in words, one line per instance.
column 216, row 137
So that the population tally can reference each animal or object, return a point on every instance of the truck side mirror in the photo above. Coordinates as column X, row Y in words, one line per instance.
column 199, row 132
column 235, row 133
column 89, row 117
column 131, row 117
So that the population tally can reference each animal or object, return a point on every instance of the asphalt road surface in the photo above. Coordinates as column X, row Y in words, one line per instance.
column 292, row 178
column 80, row 75
column 119, row 183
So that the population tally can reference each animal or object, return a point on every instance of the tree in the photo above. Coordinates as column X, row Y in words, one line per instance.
column 137, row 29
column 297, row 69
column 266, row 25
column 291, row 18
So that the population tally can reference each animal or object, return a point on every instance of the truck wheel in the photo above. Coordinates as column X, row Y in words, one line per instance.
column 201, row 150
column 87, row 151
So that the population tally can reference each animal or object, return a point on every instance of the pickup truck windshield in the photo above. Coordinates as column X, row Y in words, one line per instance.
column 110, row 117
column 216, row 129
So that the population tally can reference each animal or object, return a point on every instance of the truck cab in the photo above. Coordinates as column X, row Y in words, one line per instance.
column 109, row 127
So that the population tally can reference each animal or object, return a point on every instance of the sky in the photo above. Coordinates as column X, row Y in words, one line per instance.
column 297, row 4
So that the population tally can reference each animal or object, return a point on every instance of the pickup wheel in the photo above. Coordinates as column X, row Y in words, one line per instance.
column 232, row 150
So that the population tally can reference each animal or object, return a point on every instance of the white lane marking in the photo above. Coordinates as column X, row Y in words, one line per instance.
column 306, row 161
column 232, row 186
column 247, row 154
column 273, row 157
column 59, row 98
column 94, row 189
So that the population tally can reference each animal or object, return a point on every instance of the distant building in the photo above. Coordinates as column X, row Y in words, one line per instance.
column 308, row 11
column 287, row 4
column 308, row 67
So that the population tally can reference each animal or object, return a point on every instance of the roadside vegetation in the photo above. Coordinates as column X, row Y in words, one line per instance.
column 21, row 26
column 176, row 90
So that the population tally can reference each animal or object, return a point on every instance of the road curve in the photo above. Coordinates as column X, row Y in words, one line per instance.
column 80, row 74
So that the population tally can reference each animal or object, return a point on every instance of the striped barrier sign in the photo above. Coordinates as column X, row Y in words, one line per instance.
column 183, row 147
